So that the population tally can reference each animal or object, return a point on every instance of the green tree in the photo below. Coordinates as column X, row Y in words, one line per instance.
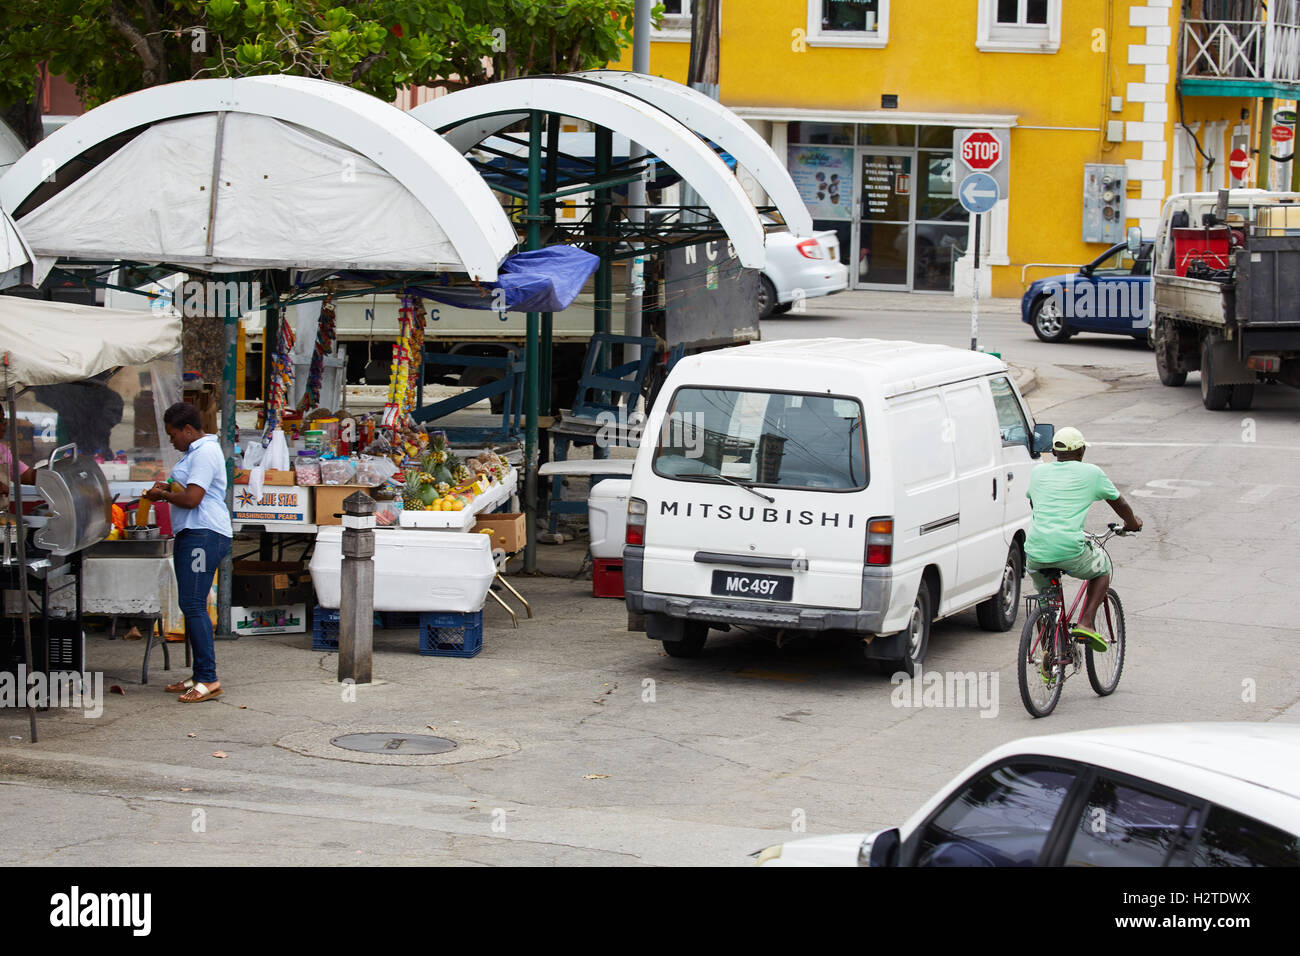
column 111, row 47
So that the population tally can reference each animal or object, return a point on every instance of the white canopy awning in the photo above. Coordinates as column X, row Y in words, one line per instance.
column 469, row 116
column 17, row 262
column 307, row 174
column 47, row 343
column 711, row 119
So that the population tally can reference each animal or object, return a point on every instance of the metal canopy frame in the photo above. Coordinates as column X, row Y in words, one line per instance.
column 648, row 113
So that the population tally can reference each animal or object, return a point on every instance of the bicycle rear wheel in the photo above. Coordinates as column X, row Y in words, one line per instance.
column 1104, row 668
column 1038, row 667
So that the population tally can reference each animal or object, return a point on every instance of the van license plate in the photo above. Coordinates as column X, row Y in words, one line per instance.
column 769, row 587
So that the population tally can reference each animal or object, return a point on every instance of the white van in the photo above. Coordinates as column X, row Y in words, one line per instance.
column 830, row 484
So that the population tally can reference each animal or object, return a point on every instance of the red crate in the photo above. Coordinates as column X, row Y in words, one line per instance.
column 607, row 577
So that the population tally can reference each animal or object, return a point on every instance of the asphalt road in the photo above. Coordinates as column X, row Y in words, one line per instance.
column 582, row 743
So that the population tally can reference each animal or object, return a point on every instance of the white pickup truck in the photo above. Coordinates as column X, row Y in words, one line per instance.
column 1226, row 279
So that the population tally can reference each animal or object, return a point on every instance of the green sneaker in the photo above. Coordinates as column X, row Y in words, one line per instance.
column 1091, row 638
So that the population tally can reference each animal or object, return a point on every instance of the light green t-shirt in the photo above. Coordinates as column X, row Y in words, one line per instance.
column 1061, row 493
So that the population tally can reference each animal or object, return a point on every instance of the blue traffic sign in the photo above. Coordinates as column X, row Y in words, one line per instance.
column 978, row 192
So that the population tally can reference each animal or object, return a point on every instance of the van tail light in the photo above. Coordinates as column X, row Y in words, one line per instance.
column 811, row 249
column 636, row 512
column 880, row 541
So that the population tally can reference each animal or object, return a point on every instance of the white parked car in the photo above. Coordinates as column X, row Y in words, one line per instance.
column 797, row 268
column 1225, row 794
column 831, row 484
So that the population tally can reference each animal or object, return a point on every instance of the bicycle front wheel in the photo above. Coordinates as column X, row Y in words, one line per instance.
column 1104, row 668
column 1038, row 666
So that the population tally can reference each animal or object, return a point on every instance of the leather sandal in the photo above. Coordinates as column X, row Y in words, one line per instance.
column 180, row 687
column 199, row 693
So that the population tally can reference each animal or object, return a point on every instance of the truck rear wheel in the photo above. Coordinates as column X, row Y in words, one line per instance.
column 1165, row 352
column 1242, row 397
column 1213, row 396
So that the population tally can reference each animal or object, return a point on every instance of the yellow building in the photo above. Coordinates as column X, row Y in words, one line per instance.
column 1105, row 108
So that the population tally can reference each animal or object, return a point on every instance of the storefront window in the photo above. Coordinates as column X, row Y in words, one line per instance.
column 818, row 134
column 887, row 134
column 859, row 15
column 935, row 137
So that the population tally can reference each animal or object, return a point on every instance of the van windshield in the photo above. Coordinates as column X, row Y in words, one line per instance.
column 768, row 438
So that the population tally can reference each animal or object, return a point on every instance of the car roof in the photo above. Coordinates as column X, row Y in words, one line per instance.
column 1252, row 768
column 1265, row 755
column 900, row 366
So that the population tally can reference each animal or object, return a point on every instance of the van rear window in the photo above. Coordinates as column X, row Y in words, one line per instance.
column 780, row 439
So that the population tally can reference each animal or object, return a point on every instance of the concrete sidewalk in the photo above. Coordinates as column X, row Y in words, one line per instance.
column 874, row 301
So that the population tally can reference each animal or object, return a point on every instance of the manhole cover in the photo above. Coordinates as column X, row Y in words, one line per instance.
column 403, row 744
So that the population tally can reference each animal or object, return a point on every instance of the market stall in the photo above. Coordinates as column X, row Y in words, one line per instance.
column 44, row 344
column 265, row 152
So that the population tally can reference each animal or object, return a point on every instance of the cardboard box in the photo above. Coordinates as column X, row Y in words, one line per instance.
column 277, row 506
column 509, row 532
column 329, row 501
column 148, row 471
column 206, row 399
column 273, row 477
column 253, row 621
column 261, row 584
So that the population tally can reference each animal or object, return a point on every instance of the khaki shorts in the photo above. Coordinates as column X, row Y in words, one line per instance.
column 1092, row 563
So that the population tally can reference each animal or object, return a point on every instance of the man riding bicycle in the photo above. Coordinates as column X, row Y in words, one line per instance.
column 1060, row 494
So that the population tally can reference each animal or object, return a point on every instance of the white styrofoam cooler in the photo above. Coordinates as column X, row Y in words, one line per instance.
column 414, row 570
column 607, row 516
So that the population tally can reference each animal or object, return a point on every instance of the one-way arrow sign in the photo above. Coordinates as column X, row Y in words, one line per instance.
column 978, row 192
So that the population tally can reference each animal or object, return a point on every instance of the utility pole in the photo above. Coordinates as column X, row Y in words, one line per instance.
column 636, row 192
column 702, row 73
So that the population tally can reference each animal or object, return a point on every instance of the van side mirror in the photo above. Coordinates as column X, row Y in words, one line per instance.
column 1134, row 240
column 1043, row 435
column 880, row 848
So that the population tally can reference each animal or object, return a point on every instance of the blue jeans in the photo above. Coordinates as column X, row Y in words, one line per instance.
column 196, row 555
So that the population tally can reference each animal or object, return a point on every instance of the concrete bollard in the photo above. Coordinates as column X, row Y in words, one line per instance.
column 357, row 600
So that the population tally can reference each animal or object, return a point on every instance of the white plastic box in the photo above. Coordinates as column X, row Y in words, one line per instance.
column 414, row 570
column 607, row 517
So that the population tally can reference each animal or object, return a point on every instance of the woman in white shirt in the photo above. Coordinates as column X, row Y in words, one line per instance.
column 196, row 492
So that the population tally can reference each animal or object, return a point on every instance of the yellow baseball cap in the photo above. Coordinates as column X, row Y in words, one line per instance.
column 1068, row 439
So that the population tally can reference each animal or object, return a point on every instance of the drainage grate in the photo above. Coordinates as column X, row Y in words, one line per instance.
column 400, row 744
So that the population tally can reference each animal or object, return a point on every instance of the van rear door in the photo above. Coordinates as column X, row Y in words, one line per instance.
column 758, row 495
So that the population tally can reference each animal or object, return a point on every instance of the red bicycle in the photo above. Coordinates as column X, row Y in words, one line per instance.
column 1049, row 654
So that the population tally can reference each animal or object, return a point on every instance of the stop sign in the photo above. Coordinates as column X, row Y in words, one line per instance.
column 981, row 150
column 1238, row 162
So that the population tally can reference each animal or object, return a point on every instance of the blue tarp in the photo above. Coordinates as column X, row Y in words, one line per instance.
column 544, row 280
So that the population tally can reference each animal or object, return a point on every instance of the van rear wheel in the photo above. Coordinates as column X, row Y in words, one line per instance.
column 916, row 636
column 692, row 642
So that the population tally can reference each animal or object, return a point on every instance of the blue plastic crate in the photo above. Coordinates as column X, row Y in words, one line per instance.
column 451, row 633
column 325, row 630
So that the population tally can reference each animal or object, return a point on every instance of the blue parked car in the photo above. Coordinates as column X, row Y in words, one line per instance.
column 1110, row 294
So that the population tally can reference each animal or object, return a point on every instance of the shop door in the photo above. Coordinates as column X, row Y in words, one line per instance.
column 886, row 199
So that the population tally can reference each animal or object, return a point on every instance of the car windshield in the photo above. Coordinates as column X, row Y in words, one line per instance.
column 768, row 438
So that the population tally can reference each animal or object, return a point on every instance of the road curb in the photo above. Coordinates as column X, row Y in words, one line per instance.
column 1026, row 379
